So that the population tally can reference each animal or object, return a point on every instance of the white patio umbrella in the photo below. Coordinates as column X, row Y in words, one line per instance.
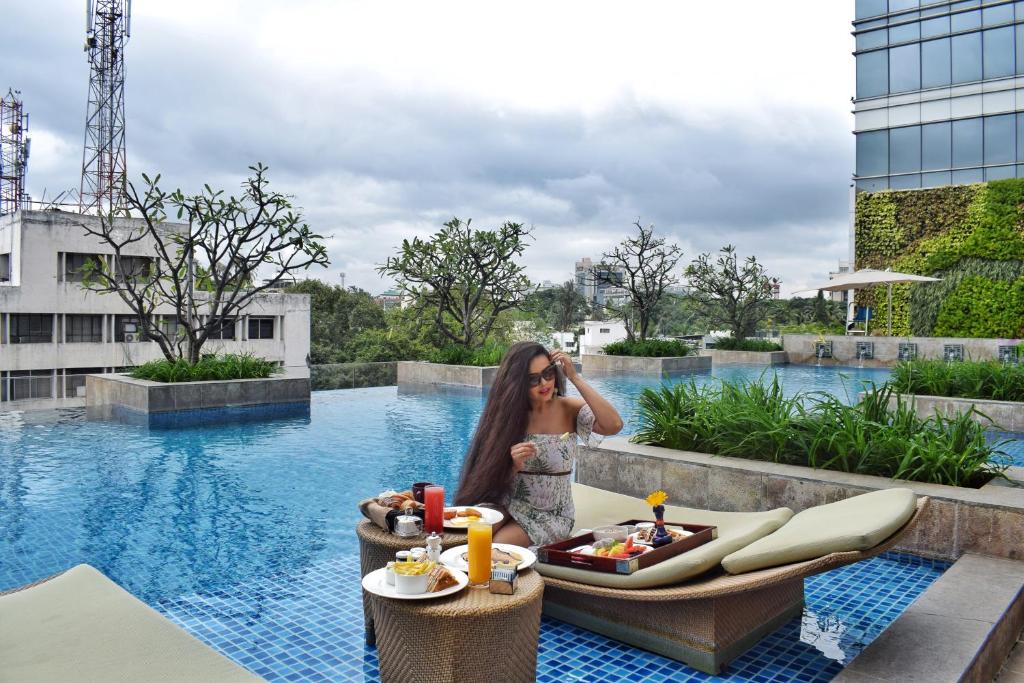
column 867, row 278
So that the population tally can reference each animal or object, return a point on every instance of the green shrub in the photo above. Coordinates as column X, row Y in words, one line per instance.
column 758, row 422
column 484, row 356
column 733, row 344
column 652, row 348
column 211, row 367
column 970, row 236
column 970, row 379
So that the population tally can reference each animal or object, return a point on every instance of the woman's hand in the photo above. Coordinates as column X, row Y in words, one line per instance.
column 566, row 364
column 522, row 452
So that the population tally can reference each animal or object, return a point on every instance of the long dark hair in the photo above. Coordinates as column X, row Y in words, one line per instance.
column 488, row 472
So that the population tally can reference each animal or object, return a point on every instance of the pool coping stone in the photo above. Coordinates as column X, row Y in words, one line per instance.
column 961, row 628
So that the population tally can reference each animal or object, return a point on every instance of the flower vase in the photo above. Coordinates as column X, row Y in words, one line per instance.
column 661, row 536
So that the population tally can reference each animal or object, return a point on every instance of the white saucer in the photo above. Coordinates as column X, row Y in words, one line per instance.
column 375, row 583
column 488, row 516
column 453, row 556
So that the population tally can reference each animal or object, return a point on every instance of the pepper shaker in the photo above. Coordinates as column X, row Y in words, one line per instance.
column 434, row 548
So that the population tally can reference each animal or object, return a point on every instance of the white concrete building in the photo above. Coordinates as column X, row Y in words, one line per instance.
column 597, row 333
column 53, row 332
column 565, row 341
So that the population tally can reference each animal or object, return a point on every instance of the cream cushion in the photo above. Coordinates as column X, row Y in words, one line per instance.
column 857, row 523
column 81, row 626
column 595, row 507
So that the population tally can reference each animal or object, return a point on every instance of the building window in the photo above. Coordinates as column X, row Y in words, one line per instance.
column 261, row 328
column 31, row 328
column 224, row 329
column 905, row 150
column 966, row 51
column 5, row 267
column 127, row 329
column 84, row 328
column 873, row 73
column 873, row 153
column 1020, row 48
column 905, row 68
column 28, row 384
column 1020, row 137
column 169, row 326
column 967, row 143
column 75, row 265
column 999, row 139
column 133, row 268
column 935, row 65
column 1001, row 14
column 965, row 21
column 606, row 330
column 74, row 381
column 905, row 32
column 935, row 146
column 935, row 27
column 998, row 52
column 870, row 8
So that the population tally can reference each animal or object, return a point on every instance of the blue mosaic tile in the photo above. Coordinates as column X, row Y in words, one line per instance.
column 1012, row 446
column 308, row 626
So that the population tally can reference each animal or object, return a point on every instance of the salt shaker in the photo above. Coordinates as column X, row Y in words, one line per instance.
column 434, row 548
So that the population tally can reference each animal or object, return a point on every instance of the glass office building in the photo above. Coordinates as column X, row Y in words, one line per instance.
column 940, row 92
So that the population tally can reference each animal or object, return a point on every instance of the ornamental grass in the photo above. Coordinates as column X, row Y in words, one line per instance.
column 211, row 367
column 987, row 380
column 757, row 421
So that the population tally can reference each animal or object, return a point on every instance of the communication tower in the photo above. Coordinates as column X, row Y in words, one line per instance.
column 108, row 27
column 14, row 148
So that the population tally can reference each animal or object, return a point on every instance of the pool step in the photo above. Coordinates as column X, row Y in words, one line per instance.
column 960, row 629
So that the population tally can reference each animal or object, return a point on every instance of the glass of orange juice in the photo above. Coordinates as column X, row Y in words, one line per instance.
column 479, row 539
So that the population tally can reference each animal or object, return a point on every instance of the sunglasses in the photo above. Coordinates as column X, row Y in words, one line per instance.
column 547, row 373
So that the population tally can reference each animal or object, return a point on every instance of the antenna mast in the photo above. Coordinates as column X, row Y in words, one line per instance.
column 14, row 148
column 107, row 29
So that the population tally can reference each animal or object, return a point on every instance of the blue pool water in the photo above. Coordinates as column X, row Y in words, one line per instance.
column 243, row 533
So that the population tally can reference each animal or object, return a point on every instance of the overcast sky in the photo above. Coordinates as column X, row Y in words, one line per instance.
column 717, row 122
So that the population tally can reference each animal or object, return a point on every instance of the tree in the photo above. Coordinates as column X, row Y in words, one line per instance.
column 337, row 316
column 732, row 294
column 204, row 270
column 562, row 308
column 464, row 278
column 820, row 309
column 645, row 266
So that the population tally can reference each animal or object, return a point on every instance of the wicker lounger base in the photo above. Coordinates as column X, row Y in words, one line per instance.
column 705, row 634
column 705, row 623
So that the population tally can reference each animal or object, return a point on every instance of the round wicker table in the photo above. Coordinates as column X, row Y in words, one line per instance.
column 471, row 636
column 377, row 547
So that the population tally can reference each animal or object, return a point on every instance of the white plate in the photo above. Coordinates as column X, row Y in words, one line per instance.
column 375, row 583
column 453, row 556
column 490, row 516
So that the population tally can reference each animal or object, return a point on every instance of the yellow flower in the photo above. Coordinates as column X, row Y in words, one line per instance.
column 657, row 498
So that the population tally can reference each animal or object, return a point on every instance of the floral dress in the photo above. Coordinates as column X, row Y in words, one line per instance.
column 541, row 500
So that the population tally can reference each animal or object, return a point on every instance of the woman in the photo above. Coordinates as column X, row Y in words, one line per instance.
column 525, row 444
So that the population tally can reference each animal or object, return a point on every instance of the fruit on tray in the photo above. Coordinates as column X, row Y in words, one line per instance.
column 615, row 549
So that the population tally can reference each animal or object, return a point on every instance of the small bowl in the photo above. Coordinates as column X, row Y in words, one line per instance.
column 613, row 531
column 411, row 584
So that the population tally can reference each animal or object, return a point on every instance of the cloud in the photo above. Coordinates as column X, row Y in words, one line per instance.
column 385, row 121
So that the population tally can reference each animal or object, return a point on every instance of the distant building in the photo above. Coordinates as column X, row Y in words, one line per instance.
column 389, row 299
column 53, row 332
column 612, row 296
column 566, row 341
column 597, row 333
column 843, row 297
column 591, row 278
column 546, row 285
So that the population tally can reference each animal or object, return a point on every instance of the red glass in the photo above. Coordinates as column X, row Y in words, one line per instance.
column 433, row 517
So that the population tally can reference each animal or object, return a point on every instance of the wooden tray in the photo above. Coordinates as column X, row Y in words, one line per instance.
column 558, row 553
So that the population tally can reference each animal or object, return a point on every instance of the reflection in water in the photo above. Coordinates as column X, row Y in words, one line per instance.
column 173, row 511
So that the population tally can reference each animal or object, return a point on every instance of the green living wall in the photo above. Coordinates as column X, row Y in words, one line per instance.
column 970, row 236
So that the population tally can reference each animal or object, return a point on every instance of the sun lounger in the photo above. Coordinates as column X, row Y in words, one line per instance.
column 709, row 617
column 81, row 626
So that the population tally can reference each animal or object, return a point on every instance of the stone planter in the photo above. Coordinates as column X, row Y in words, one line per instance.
column 116, row 394
column 416, row 372
column 989, row 520
column 643, row 365
column 1004, row 415
column 723, row 357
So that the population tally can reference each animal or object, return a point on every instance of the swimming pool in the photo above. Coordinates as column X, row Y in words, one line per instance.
column 243, row 533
